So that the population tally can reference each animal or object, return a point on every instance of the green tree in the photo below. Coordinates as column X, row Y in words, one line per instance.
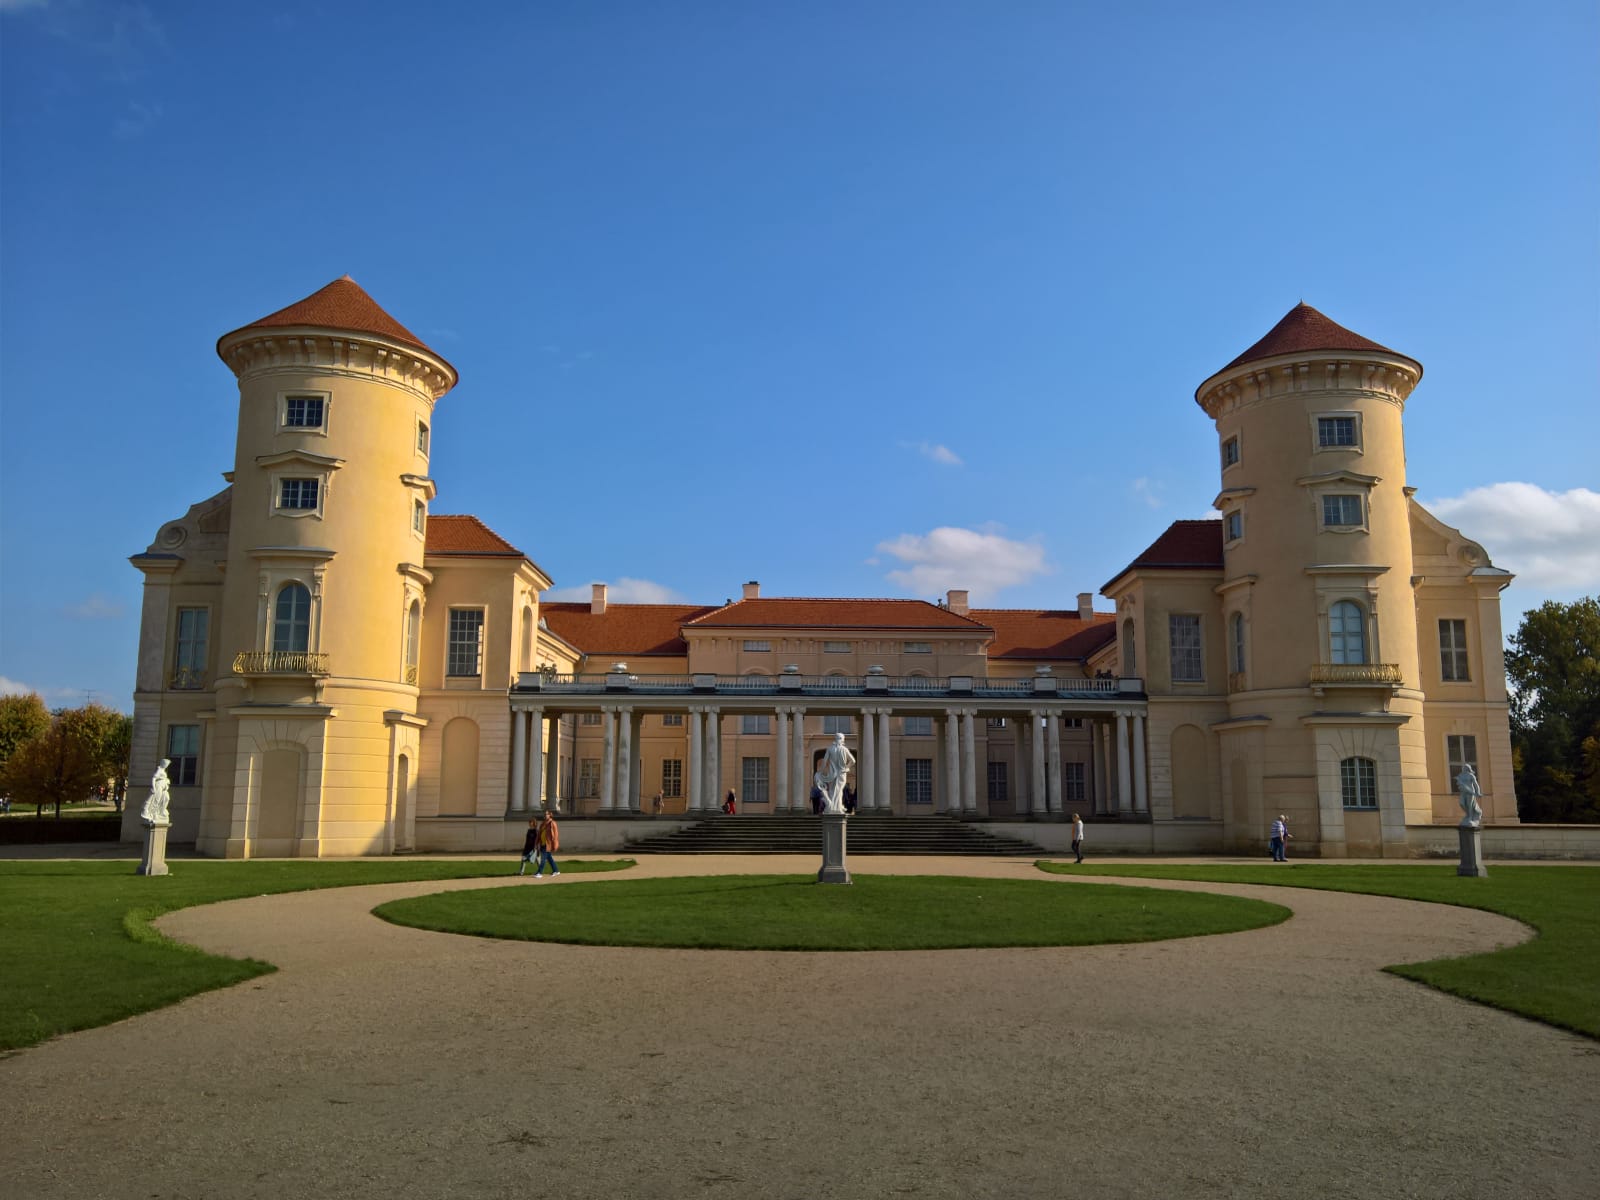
column 110, row 735
column 59, row 766
column 1553, row 667
column 22, row 718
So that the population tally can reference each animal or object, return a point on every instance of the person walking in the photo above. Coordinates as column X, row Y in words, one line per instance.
column 549, row 841
column 1077, row 836
column 530, row 844
column 1280, row 839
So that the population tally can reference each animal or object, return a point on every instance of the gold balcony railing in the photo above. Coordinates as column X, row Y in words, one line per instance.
column 187, row 679
column 1384, row 674
column 279, row 662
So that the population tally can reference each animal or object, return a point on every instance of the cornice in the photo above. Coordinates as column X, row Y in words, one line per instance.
column 254, row 352
column 1339, row 477
column 1379, row 376
column 326, row 461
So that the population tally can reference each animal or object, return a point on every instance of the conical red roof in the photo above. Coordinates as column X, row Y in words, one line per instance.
column 340, row 305
column 1305, row 329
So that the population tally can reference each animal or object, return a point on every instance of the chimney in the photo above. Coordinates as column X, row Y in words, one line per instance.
column 597, row 598
column 956, row 600
column 1085, row 606
column 752, row 590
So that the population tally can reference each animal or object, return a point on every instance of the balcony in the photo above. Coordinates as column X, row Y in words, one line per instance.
column 1355, row 675
column 789, row 685
column 187, row 679
column 279, row 662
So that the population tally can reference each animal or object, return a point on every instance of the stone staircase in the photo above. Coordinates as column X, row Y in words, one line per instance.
column 799, row 833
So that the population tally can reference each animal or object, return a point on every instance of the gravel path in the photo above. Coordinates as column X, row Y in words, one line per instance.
column 391, row 1062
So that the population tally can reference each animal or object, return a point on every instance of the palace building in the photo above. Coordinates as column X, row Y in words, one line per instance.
column 334, row 670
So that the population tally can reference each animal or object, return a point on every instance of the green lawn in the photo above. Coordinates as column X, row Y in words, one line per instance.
column 794, row 912
column 78, row 950
column 1555, row 978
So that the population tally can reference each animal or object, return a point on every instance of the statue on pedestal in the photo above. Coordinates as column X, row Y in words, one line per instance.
column 155, row 808
column 1467, row 786
column 836, row 764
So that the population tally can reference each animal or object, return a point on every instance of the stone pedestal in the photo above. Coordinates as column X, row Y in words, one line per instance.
column 833, row 842
column 1471, row 851
column 155, row 849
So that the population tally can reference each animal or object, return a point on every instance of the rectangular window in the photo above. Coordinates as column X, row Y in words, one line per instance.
column 1184, row 633
column 466, row 642
column 670, row 720
column 1341, row 510
column 1453, row 652
column 1358, row 783
column 183, row 748
column 588, row 718
column 917, row 726
column 755, row 723
column 1230, row 452
column 1336, row 431
column 919, row 781
column 918, row 648
column 302, row 412
column 189, row 655
column 422, row 437
column 836, row 647
column 997, row 782
column 297, row 493
column 1073, row 787
column 833, row 725
column 588, row 777
column 758, row 646
column 672, row 777
column 419, row 516
column 1233, row 526
column 1462, row 750
column 755, row 773
column 997, row 722
column 1072, row 722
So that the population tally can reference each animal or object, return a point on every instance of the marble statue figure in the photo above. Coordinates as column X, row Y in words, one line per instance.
column 1467, row 785
column 155, row 808
column 836, row 764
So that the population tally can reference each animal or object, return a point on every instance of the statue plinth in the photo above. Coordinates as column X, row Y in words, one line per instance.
column 1471, row 851
column 833, row 847
column 155, row 849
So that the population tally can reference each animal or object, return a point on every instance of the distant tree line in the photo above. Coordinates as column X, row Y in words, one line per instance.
column 62, row 757
column 1553, row 668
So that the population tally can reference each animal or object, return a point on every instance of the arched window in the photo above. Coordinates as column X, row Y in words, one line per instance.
column 291, row 624
column 1130, row 658
column 1358, row 783
column 1238, row 643
column 1347, row 638
column 413, row 638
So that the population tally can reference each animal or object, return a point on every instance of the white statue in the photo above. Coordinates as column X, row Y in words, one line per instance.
column 1467, row 786
column 836, row 764
column 155, row 808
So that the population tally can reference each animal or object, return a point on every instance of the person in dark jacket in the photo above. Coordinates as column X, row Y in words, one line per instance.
column 530, row 844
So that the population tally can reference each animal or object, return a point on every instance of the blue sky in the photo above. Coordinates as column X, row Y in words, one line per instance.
column 862, row 298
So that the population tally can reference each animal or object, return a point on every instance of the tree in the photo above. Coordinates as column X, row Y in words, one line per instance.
column 60, row 765
column 1553, row 667
column 110, row 734
column 22, row 718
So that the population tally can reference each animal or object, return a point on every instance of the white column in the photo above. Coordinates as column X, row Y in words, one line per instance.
column 530, row 800
column 696, row 752
column 552, row 766
column 1097, row 741
column 1124, row 788
column 1022, row 756
column 866, row 769
column 801, row 787
column 1053, row 721
column 969, row 761
column 885, row 762
column 1040, row 802
column 626, row 784
column 636, row 765
column 519, row 759
column 608, row 760
column 714, row 758
column 1141, row 796
column 952, row 763
column 782, row 764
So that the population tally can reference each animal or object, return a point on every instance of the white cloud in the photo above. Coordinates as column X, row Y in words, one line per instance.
column 1550, row 539
column 1148, row 491
column 135, row 121
column 940, row 454
column 98, row 607
column 979, row 560
column 7, row 6
column 621, row 591
column 52, row 696
column 10, row 687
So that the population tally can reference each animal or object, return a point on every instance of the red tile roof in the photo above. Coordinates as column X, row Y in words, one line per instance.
column 466, row 537
column 1304, row 329
column 1045, row 633
column 341, row 305
column 634, row 629
column 1185, row 546
column 793, row 612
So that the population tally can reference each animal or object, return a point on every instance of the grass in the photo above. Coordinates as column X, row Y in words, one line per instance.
column 1555, row 978
column 793, row 912
column 79, row 950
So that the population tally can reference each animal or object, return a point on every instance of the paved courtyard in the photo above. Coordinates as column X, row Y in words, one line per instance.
column 390, row 1062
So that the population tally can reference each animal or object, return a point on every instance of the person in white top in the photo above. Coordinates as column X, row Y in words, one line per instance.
column 1077, row 836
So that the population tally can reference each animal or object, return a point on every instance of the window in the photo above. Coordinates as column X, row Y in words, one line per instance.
column 1238, row 643
column 1358, row 783
column 919, row 781
column 588, row 718
column 836, row 647
column 183, row 748
column 422, row 437
column 918, row 648
column 1347, row 638
column 189, row 655
column 1230, row 452
column 419, row 516
column 1341, row 511
column 997, row 781
column 413, row 639
column 1233, row 526
column 466, row 642
column 588, row 776
column 997, row 722
column 833, row 725
column 757, row 646
column 303, row 412
column 755, row 723
column 291, row 619
column 1073, row 786
column 1453, row 653
column 1462, row 751
column 672, row 777
column 1072, row 722
column 297, row 494
column 917, row 726
column 754, row 775
column 671, row 720
column 1184, row 631
column 1335, row 432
